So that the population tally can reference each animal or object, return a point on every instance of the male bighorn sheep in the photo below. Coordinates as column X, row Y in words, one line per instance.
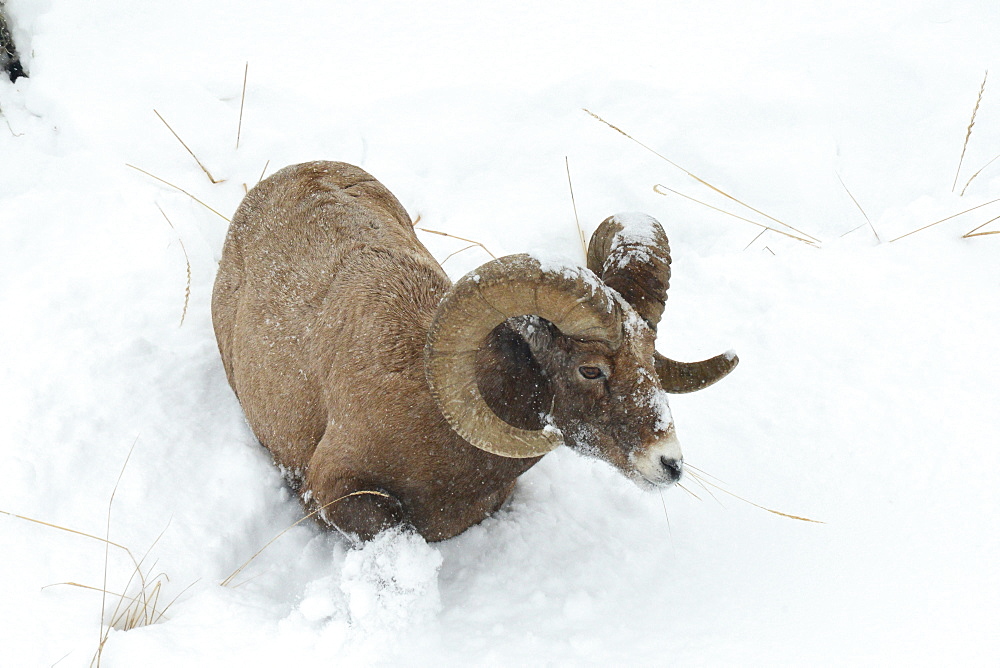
column 363, row 369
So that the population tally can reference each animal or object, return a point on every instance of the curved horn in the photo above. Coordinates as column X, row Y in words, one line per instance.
column 683, row 377
column 570, row 298
column 631, row 255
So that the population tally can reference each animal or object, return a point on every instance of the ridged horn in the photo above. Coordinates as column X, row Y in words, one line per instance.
column 684, row 377
column 571, row 298
column 631, row 255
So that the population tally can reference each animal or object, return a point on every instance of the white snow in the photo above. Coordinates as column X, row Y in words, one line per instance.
column 560, row 263
column 662, row 402
column 636, row 228
column 865, row 396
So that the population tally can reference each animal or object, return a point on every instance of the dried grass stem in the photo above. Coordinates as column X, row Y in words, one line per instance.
column 967, row 183
column 857, row 204
column 701, row 180
column 968, row 130
column 576, row 216
column 186, row 148
column 702, row 478
column 246, row 563
column 187, row 261
column 453, row 236
column 973, row 233
column 759, row 235
column 178, row 188
column 243, row 97
column 956, row 215
column 657, row 190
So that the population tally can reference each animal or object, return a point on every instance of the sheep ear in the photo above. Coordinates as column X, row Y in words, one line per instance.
column 508, row 375
column 683, row 377
column 502, row 289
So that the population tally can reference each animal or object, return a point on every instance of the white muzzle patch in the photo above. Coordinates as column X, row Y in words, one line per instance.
column 661, row 463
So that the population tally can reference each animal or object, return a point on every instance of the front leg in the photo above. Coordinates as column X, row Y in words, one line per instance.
column 354, row 503
column 358, row 511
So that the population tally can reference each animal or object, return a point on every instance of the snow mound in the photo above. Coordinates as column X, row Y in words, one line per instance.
column 637, row 228
column 392, row 581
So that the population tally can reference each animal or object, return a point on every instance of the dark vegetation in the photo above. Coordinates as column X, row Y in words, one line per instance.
column 10, row 62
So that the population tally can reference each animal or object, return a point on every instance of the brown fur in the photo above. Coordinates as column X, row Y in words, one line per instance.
column 322, row 307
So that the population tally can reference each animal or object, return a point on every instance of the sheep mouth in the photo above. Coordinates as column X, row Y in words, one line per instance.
column 660, row 465
column 649, row 484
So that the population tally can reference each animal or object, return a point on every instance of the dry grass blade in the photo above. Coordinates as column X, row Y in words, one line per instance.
column 83, row 586
column 107, row 536
column 186, row 148
column 143, row 602
column 167, row 607
column 699, row 179
column 151, row 616
column 460, row 250
column 178, row 188
column 657, row 190
column 770, row 510
column 67, row 530
column 246, row 563
column 938, row 222
column 135, row 611
column 263, row 171
column 701, row 483
column 243, row 98
column 576, row 216
column 12, row 133
column 703, row 474
column 453, row 236
column 138, row 610
column 974, row 233
column 664, row 504
column 142, row 612
column 857, row 204
column 962, row 194
column 853, row 229
column 249, row 579
column 968, row 131
column 704, row 481
column 187, row 289
column 688, row 491
column 759, row 235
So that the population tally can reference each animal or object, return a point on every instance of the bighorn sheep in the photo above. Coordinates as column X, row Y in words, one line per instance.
column 363, row 369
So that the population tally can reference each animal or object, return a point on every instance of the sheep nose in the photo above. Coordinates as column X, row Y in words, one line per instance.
column 672, row 468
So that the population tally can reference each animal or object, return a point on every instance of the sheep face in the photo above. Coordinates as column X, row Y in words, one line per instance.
column 522, row 358
column 607, row 401
column 524, row 355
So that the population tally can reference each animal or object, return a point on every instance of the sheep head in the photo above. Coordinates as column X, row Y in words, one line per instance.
column 524, row 356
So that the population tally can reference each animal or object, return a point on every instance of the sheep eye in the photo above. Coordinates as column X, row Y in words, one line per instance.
column 591, row 372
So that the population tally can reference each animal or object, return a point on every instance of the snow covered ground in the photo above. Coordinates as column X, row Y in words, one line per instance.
column 866, row 397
